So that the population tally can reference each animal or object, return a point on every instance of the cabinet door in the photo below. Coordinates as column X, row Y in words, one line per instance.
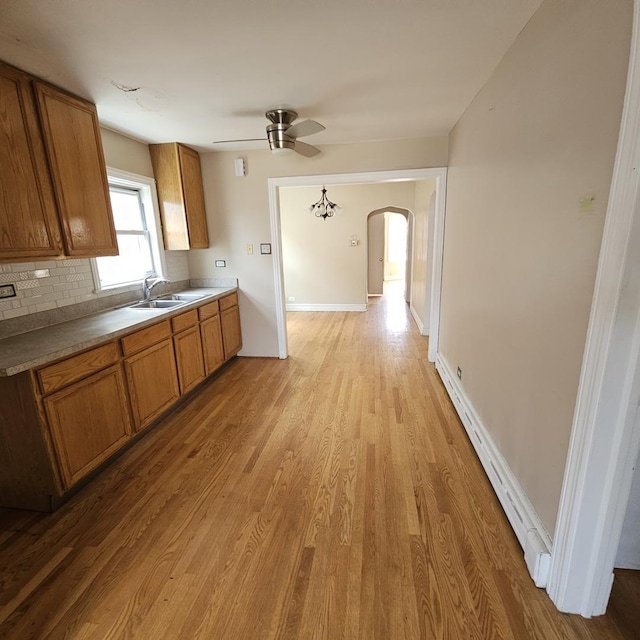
column 181, row 196
column 188, row 346
column 29, row 225
column 74, row 149
column 153, row 382
column 212, row 349
column 89, row 421
column 231, row 336
column 193, row 197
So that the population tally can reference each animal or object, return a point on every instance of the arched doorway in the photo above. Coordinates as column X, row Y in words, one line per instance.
column 389, row 249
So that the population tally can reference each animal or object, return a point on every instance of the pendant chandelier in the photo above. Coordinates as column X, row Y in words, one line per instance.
column 324, row 208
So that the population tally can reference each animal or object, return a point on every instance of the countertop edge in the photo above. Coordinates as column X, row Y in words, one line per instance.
column 151, row 317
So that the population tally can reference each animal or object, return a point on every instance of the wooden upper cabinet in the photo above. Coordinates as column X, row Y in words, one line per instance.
column 179, row 181
column 76, row 161
column 194, row 197
column 28, row 218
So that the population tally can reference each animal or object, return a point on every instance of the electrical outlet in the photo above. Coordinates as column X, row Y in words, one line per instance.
column 249, row 249
column 292, row 298
column 459, row 373
column 7, row 291
column 221, row 263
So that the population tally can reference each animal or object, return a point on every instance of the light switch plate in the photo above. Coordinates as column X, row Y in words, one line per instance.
column 7, row 291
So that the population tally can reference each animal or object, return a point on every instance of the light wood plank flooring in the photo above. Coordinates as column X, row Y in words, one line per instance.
column 332, row 495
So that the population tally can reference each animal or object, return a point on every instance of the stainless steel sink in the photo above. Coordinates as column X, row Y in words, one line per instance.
column 158, row 304
column 184, row 297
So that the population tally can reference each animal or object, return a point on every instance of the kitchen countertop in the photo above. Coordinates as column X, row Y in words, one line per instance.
column 36, row 348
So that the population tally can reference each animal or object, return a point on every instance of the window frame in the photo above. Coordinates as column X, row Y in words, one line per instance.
column 146, row 188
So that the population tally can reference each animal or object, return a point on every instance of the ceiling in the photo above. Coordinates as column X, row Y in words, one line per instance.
column 196, row 71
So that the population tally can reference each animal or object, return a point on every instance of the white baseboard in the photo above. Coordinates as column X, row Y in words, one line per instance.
column 326, row 307
column 533, row 537
column 418, row 320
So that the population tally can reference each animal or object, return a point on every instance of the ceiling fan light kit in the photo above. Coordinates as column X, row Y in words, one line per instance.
column 283, row 135
column 278, row 138
column 281, row 151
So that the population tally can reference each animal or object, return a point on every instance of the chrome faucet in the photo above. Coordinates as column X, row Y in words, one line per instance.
column 147, row 288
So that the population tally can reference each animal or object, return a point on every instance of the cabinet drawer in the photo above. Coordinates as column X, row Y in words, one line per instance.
column 142, row 339
column 62, row 373
column 229, row 301
column 208, row 310
column 184, row 321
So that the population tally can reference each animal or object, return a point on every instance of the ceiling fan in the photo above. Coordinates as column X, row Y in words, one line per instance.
column 283, row 135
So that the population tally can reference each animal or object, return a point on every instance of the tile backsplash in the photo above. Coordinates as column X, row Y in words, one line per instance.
column 43, row 285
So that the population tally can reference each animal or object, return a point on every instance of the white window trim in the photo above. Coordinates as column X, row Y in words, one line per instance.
column 149, row 197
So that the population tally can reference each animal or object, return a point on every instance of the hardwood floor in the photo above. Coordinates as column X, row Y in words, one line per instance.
column 331, row 495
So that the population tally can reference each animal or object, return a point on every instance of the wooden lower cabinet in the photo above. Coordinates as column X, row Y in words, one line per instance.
column 29, row 474
column 231, row 335
column 153, row 382
column 60, row 422
column 212, row 347
column 89, row 421
column 188, row 348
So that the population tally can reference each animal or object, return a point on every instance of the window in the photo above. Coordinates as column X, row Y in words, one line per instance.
column 134, row 215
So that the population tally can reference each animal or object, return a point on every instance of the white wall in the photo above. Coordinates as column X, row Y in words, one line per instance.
column 320, row 265
column 126, row 154
column 421, row 268
column 238, row 213
column 530, row 168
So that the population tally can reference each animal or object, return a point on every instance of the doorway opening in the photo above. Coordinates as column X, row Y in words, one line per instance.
column 395, row 245
column 433, row 179
column 388, row 252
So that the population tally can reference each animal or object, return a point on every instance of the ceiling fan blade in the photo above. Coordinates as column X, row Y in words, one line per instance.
column 307, row 150
column 239, row 140
column 304, row 128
